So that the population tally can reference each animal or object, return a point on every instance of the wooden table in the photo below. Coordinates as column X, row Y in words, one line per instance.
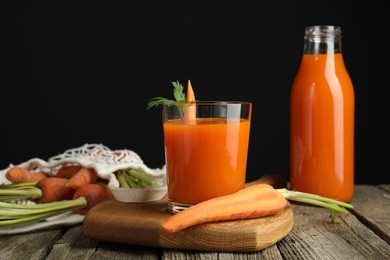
column 364, row 234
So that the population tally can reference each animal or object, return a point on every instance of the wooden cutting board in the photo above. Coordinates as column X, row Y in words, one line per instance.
column 139, row 224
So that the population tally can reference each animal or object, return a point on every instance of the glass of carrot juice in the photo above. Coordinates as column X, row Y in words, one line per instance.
column 206, row 148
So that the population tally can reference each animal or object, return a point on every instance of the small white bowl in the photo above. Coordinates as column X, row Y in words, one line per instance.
column 140, row 195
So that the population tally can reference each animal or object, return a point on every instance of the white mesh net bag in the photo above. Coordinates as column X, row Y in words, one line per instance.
column 105, row 162
column 96, row 156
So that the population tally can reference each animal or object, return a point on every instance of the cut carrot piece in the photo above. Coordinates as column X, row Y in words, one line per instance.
column 190, row 93
column 258, row 200
column 190, row 111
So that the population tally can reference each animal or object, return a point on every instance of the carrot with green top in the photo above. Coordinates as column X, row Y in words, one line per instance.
column 54, row 189
column 258, row 200
column 84, row 198
column 46, row 190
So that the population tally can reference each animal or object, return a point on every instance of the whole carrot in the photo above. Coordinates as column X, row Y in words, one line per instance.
column 258, row 200
column 68, row 171
column 18, row 174
column 54, row 189
column 82, row 177
column 94, row 194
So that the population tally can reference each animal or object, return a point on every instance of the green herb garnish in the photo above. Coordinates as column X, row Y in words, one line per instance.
column 178, row 93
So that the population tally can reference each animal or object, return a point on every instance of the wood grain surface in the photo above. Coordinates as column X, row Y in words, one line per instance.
column 363, row 234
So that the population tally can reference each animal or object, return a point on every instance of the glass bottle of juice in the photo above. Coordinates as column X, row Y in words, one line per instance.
column 322, row 105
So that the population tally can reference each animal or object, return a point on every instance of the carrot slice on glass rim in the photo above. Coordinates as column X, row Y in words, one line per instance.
column 190, row 111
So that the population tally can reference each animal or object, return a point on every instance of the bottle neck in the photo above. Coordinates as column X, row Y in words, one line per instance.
column 322, row 40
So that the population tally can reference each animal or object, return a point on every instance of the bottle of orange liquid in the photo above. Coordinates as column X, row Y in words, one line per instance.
column 322, row 118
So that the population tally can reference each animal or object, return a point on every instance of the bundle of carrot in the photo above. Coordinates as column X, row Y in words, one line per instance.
column 53, row 195
column 43, row 187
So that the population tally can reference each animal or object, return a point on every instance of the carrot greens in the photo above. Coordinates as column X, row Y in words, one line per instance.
column 83, row 199
column 178, row 93
column 20, row 191
column 335, row 207
column 12, row 214
column 131, row 178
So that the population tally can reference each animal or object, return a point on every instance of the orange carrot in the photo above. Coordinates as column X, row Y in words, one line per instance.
column 83, row 176
column 18, row 174
column 68, row 171
column 258, row 200
column 190, row 92
column 190, row 111
column 94, row 194
column 54, row 189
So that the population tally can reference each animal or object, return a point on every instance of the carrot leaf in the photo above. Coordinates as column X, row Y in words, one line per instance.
column 178, row 93
column 154, row 102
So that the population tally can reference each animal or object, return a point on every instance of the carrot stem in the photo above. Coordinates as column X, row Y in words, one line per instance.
column 141, row 177
column 131, row 178
column 65, row 204
column 18, row 185
column 35, row 212
column 122, row 180
column 335, row 207
column 30, row 219
column 130, row 181
column 27, row 192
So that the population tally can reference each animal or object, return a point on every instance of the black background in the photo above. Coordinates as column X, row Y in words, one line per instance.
column 76, row 74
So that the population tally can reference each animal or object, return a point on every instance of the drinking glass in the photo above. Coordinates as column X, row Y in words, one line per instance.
column 206, row 148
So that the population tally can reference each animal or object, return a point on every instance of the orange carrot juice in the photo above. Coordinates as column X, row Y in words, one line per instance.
column 322, row 128
column 205, row 159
